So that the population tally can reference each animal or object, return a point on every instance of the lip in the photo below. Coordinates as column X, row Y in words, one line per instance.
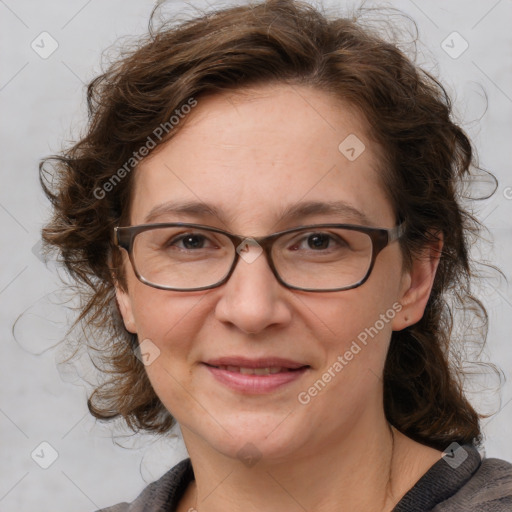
column 255, row 384
column 261, row 362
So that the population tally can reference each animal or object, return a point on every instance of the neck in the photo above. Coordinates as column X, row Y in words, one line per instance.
column 359, row 472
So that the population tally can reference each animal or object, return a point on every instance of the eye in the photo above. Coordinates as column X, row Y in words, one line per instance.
column 189, row 241
column 319, row 241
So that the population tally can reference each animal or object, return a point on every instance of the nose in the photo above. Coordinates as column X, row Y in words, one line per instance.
column 252, row 299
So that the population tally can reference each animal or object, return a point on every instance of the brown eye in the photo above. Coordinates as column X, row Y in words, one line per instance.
column 190, row 241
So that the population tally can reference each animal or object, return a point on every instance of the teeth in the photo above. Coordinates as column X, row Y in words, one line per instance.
column 254, row 371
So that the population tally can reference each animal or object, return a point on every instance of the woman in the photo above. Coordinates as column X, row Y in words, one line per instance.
column 264, row 211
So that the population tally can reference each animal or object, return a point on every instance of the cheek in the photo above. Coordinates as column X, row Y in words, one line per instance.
column 168, row 324
column 348, row 317
column 172, row 320
column 159, row 312
column 358, row 324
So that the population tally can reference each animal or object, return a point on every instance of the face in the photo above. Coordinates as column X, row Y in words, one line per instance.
column 252, row 156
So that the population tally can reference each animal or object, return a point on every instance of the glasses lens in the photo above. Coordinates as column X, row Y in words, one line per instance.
column 182, row 257
column 323, row 258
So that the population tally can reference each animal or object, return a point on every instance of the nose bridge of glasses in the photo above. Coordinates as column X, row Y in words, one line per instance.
column 250, row 249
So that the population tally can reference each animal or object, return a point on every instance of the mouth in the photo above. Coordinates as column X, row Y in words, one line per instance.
column 256, row 366
column 268, row 370
column 255, row 376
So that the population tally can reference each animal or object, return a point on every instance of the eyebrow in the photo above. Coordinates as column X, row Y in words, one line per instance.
column 289, row 214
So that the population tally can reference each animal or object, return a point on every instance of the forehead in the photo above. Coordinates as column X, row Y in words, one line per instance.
column 256, row 153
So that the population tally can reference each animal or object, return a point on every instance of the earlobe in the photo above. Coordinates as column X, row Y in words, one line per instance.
column 418, row 283
column 125, row 308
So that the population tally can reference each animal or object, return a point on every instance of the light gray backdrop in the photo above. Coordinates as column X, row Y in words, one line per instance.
column 49, row 50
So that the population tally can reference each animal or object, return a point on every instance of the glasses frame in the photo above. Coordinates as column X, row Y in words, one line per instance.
column 124, row 237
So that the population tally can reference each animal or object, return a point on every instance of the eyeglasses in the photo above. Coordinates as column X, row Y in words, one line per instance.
column 316, row 258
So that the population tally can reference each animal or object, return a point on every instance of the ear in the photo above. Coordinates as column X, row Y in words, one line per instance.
column 417, row 284
column 124, row 304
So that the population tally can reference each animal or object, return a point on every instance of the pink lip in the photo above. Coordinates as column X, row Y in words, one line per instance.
column 255, row 384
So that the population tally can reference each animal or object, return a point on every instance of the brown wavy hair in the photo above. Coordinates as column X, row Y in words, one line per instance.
column 408, row 113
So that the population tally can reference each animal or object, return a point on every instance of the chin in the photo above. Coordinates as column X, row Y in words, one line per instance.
column 251, row 437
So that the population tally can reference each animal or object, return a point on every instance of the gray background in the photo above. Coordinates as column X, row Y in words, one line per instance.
column 42, row 104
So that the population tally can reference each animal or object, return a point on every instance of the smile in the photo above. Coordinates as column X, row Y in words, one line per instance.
column 256, row 371
column 256, row 380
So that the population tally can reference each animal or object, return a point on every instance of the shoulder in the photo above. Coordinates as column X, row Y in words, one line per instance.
column 161, row 495
column 488, row 490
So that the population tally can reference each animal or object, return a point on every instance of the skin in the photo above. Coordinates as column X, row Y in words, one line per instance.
column 251, row 154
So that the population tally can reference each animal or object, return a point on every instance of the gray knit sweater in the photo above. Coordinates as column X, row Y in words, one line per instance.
column 475, row 486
